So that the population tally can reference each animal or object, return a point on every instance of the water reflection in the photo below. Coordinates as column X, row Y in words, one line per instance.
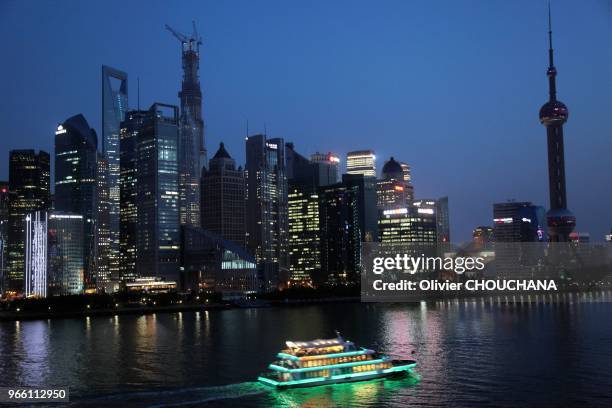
column 477, row 351
column 33, row 349
column 359, row 394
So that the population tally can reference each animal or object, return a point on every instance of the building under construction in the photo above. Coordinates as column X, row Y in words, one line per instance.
column 192, row 152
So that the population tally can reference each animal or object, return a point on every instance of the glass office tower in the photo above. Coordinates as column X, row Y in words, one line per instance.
column 130, row 128
column 65, row 253
column 4, row 219
column 158, row 233
column 114, row 106
column 76, row 160
column 267, row 208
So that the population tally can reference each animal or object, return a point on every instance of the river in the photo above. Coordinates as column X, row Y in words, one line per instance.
column 472, row 353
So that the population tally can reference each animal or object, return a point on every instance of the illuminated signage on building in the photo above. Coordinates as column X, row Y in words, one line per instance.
column 60, row 130
column 507, row 220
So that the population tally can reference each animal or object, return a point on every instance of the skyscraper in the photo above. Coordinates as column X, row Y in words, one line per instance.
column 114, row 106
column 65, row 253
column 514, row 224
column 267, row 208
column 191, row 151
column 29, row 179
column 348, row 217
column 158, row 231
column 361, row 162
column 393, row 191
column 4, row 219
column 223, row 198
column 364, row 189
column 439, row 209
column 518, row 222
column 406, row 172
column 553, row 115
column 35, row 273
column 403, row 225
column 298, row 167
column 327, row 168
column 102, row 227
column 304, row 238
column 75, row 182
column 131, row 127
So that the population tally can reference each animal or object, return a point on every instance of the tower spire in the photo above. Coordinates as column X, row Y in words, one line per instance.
column 550, row 47
column 552, row 71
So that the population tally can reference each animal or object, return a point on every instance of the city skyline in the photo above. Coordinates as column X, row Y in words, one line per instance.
column 395, row 114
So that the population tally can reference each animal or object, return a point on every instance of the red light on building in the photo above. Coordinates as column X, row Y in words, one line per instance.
column 4, row 190
column 333, row 159
column 399, row 188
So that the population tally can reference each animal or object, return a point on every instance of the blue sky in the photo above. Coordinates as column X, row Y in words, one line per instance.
column 451, row 87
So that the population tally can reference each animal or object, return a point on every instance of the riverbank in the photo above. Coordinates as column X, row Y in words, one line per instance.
column 23, row 315
column 18, row 315
column 153, row 308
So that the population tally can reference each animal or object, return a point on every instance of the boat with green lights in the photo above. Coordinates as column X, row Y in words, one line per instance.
column 330, row 361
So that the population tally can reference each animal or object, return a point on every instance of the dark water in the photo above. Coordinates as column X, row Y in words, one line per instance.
column 470, row 354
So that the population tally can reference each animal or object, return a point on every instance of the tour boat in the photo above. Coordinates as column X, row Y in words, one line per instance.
column 330, row 361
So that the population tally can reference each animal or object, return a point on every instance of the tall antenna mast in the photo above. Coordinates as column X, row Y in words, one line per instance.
column 550, row 47
column 552, row 71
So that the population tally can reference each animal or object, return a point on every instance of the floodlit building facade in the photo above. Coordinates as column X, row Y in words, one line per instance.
column 361, row 162
column 29, row 185
column 35, row 273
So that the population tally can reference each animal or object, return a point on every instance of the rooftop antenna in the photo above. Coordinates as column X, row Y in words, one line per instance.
column 550, row 47
column 552, row 71
column 138, row 90
column 265, row 130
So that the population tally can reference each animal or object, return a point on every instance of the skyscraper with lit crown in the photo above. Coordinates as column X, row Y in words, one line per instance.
column 361, row 162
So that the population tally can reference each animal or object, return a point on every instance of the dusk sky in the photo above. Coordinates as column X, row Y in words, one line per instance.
column 451, row 87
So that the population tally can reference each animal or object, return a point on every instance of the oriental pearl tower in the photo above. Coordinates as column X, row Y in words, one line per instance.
column 553, row 115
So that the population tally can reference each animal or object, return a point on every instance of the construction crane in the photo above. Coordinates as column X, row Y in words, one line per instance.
column 195, row 39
